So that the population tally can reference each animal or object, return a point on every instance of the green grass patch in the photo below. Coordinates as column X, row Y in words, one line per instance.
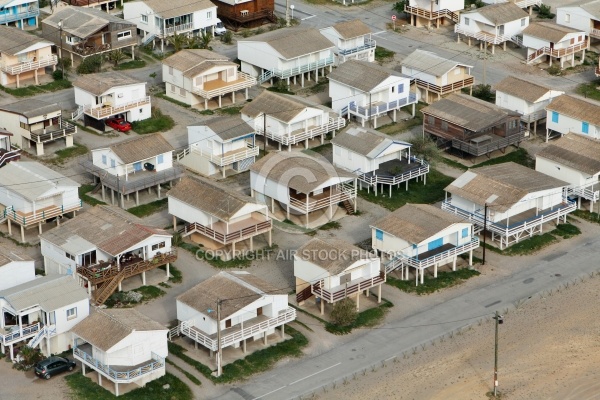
column 235, row 110
column 519, row 156
column 243, row 261
column 133, row 297
column 321, row 149
column 179, row 103
column 83, row 195
column 417, row 192
column 404, row 125
column 383, row 55
column 566, row 231
column 133, row 64
column 82, row 388
column 183, row 371
column 179, row 352
column 144, row 210
column 33, row 90
column 430, row 284
column 176, row 276
column 321, row 86
column 531, row 245
column 593, row 217
column 589, row 90
column 365, row 319
column 70, row 152
column 331, row 225
column 158, row 122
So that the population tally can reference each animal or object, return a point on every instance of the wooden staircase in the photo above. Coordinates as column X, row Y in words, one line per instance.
column 348, row 207
column 104, row 292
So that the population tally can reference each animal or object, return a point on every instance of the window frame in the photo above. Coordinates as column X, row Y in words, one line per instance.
column 73, row 315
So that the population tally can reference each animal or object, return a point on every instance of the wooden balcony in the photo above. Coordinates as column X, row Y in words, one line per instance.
column 445, row 89
column 589, row 192
column 53, row 132
column 330, row 196
column 341, row 292
column 237, row 20
column 102, row 111
column 31, row 218
column 557, row 53
column 487, row 143
column 528, row 3
column 219, row 88
column 171, row 30
column 595, row 33
column 431, row 15
column 85, row 50
column 29, row 65
column 432, row 257
column 229, row 233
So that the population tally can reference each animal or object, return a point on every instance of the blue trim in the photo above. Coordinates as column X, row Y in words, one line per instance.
column 554, row 117
column 434, row 244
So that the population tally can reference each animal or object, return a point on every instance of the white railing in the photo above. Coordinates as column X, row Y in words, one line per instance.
column 557, row 52
column 483, row 36
column 178, row 28
column 248, row 81
column 103, row 111
column 286, row 73
column 53, row 132
column 77, row 114
column 289, row 138
column 587, row 192
column 421, row 12
column 528, row 3
column 341, row 292
column 247, row 331
column 422, row 169
column 20, row 334
column 40, row 216
column 156, row 362
column 46, row 332
column 221, row 160
column 341, row 192
column 148, row 38
column 368, row 44
column 595, row 32
column 534, row 116
column 29, row 65
column 380, row 109
column 414, row 262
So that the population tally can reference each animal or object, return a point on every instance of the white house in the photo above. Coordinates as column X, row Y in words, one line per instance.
column 15, row 268
column 41, row 312
column 36, row 122
column 139, row 163
column 289, row 119
column 529, row 4
column 157, row 19
column 195, row 76
column 105, row 245
column 20, row 13
column 493, row 25
column 366, row 91
column 518, row 200
column 217, row 216
column 568, row 114
column 8, row 151
column 443, row 12
column 554, row 42
column 31, row 194
column 302, row 185
column 581, row 16
column 526, row 98
column 121, row 345
column 254, row 309
column 221, row 144
column 376, row 158
column 422, row 236
column 574, row 159
column 286, row 53
column 352, row 40
column 332, row 270
column 435, row 76
column 110, row 94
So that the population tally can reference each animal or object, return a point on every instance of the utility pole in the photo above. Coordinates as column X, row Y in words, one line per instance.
column 499, row 320
column 219, row 354
column 484, row 62
column 62, row 67
column 370, row 110
column 287, row 12
column 265, row 132
column 485, row 208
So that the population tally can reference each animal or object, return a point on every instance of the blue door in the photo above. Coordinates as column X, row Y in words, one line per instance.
column 137, row 166
column 435, row 244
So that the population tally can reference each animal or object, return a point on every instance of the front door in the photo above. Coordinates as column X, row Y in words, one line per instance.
column 259, row 311
column 137, row 166
column 501, row 30
column 434, row 244
column 227, row 323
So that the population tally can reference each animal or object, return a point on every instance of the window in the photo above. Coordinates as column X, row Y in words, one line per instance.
column 465, row 232
column 113, row 164
column 378, row 234
column 182, row 92
column 430, row 120
column 123, row 35
column 523, row 21
column 512, row 124
column 209, row 15
column 467, row 21
column 104, row 159
column 23, row 125
column 444, row 125
column 173, row 88
column 158, row 246
column 568, row 18
column 393, row 89
column 160, row 158
column 137, row 166
column 554, row 117
column 170, row 70
column 72, row 313
column 72, row 40
column 585, row 127
column 144, row 18
column 401, row 88
column 70, row 256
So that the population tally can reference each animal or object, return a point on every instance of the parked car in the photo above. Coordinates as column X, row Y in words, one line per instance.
column 118, row 124
column 52, row 366
column 219, row 28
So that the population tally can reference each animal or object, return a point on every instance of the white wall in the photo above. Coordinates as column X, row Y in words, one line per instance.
column 258, row 54
column 568, row 124
column 351, row 161
column 478, row 23
column 138, row 347
column 123, row 170
column 188, row 213
column 452, row 5
column 574, row 17
column 560, row 171
column 16, row 272
column 342, row 95
column 62, row 323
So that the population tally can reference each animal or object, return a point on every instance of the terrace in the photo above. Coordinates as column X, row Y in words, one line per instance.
column 330, row 196
column 226, row 233
column 223, row 159
column 102, row 111
column 300, row 135
column 52, row 132
column 340, row 292
column 485, row 143
column 219, row 87
column 394, row 172
column 379, row 107
column 32, row 11
column 27, row 219
column 445, row 89
column 367, row 45
column 29, row 65
column 431, row 15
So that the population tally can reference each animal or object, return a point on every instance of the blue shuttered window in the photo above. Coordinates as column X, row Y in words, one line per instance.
column 554, row 117
column 435, row 244
column 465, row 232
column 378, row 234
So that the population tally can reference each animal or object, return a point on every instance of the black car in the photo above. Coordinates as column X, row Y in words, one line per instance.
column 52, row 366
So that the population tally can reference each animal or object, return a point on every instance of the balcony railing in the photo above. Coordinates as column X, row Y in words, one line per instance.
column 247, row 331
column 7, row 156
column 595, row 33
column 481, row 149
column 338, row 193
column 230, row 237
column 87, row 50
column 291, row 138
column 53, row 132
column 25, row 66
column 250, row 16
column 247, row 81
column 445, row 89
column 287, row 73
column 557, row 52
column 20, row 334
column 427, row 14
column 368, row 44
column 31, row 12
column 105, row 110
column 414, row 262
column 341, row 292
column 483, row 36
column 367, row 112
column 422, row 169
column 155, row 363
column 178, row 28
column 221, row 160
column 589, row 192
column 40, row 216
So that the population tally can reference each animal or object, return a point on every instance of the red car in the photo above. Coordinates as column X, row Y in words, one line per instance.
column 118, row 124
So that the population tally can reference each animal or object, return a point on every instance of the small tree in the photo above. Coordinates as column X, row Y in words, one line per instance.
column 399, row 6
column 484, row 92
column 178, row 41
column 227, row 37
column 204, row 40
column 545, row 12
column 116, row 56
column 425, row 148
column 90, row 64
column 344, row 312
column 28, row 358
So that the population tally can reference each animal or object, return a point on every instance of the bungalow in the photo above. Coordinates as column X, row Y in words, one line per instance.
column 526, row 98
column 32, row 194
column 286, row 53
column 103, row 246
column 529, row 4
column 332, row 270
column 422, row 236
column 23, row 60
column 20, row 13
column 197, row 76
column 15, row 268
column 235, row 306
column 41, row 312
column 290, row 120
column 104, row 5
column 217, row 216
column 352, row 40
column 574, row 159
column 129, row 347
column 133, row 165
column 8, row 152
column 510, row 200
column 471, row 125
column 377, row 159
column 568, row 114
column 222, row 143
column 435, row 76
column 110, row 94
column 367, row 91
column 556, row 42
column 36, row 122
column 245, row 14
column 582, row 17
column 493, row 25
column 302, row 185
column 443, row 12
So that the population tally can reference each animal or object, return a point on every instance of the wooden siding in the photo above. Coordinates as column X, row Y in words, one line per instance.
column 454, row 131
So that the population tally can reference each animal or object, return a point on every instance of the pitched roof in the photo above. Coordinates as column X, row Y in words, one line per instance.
column 522, row 89
column 239, row 288
column 209, row 197
column 7, row 256
column 549, row 31
column 13, row 41
column 293, row 42
column 108, row 228
column 298, row 171
column 416, row 223
column 281, row 107
column 501, row 13
column 227, row 128
column 30, row 179
column 193, row 62
column 141, row 148
column 575, row 151
column 332, row 254
column 31, row 107
column 593, row 7
column 49, row 292
column 501, row 186
column 105, row 328
column 175, row 8
column 352, row 29
column 467, row 111
column 362, row 75
column 368, row 142
column 99, row 83
column 82, row 21
column 583, row 110
column 431, row 63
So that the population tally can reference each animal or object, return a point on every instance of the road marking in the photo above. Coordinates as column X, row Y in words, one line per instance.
column 318, row 372
column 305, row 18
column 266, row 394
column 391, row 358
column 379, row 33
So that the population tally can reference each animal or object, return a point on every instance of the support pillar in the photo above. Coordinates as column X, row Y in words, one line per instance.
column 435, row 268
column 454, row 264
column 144, row 278
column 422, row 273
column 22, row 234
column 40, row 228
column 9, row 227
column 322, row 306
column 282, row 331
column 168, row 270
column 379, row 293
column 137, row 198
column 175, row 223
column 265, row 338
column 244, row 346
column 103, row 193
column 358, row 300
column 99, row 379
column 120, row 288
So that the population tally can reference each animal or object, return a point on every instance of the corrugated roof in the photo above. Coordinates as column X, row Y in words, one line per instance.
column 575, row 151
column 549, row 31
column 31, row 107
column 368, row 142
column 352, row 29
column 141, row 148
column 522, row 89
column 362, row 75
column 430, row 63
column 7, row 256
column 592, row 7
column 227, row 128
column 193, row 62
column 293, row 42
column 500, row 14
column 13, row 40
column 332, row 254
column 30, row 179
column 416, row 223
column 82, row 21
column 583, row 110
column 278, row 106
column 105, row 328
column 501, row 186
column 50, row 292
column 99, row 83
column 467, row 111
column 175, row 8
